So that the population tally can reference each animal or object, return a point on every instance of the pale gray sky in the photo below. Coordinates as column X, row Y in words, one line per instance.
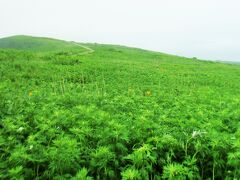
column 208, row 29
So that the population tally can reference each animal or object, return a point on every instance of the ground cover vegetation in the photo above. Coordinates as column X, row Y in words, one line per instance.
column 115, row 113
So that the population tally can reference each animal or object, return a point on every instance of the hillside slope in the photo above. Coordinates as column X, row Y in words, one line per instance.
column 117, row 113
column 37, row 44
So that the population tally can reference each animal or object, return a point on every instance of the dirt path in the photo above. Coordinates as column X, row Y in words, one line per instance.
column 88, row 50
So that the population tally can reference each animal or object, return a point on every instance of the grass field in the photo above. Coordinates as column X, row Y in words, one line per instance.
column 39, row 44
column 115, row 113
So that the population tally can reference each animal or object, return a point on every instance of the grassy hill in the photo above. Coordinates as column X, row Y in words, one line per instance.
column 117, row 113
column 36, row 44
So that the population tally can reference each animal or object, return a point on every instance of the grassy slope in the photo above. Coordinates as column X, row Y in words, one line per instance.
column 36, row 44
column 105, row 110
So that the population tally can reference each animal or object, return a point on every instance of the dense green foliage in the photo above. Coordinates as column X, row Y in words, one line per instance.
column 117, row 113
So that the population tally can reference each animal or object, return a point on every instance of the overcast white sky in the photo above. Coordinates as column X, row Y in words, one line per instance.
column 208, row 29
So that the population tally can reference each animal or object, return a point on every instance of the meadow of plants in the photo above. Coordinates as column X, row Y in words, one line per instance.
column 116, row 113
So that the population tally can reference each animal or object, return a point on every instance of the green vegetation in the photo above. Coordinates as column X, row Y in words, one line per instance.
column 116, row 113
column 33, row 44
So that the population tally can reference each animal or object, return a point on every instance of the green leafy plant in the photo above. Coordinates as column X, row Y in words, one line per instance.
column 92, row 111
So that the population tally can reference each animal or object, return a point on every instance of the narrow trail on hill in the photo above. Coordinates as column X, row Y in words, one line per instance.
column 88, row 50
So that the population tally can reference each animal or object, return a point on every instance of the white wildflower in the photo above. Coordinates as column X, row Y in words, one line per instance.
column 31, row 146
